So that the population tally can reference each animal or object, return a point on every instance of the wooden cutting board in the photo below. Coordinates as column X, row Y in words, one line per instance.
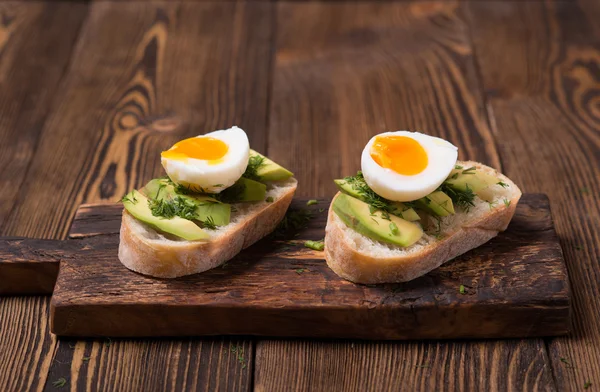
column 515, row 286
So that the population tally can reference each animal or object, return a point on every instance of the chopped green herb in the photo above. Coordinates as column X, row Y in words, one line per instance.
column 461, row 289
column 294, row 219
column 374, row 201
column 321, row 210
column 86, row 359
column 311, row 202
column 299, row 271
column 209, row 223
column 59, row 383
column 492, row 204
column 566, row 362
column 470, row 170
column 458, row 167
column 131, row 200
column 587, row 385
column 502, row 184
column 169, row 208
column 254, row 163
column 585, row 190
column 269, row 199
column 506, row 202
column 394, row 228
column 463, row 199
column 218, row 186
column 239, row 352
column 315, row 245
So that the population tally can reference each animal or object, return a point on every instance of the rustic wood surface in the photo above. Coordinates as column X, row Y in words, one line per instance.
column 516, row 286
column 513, row 84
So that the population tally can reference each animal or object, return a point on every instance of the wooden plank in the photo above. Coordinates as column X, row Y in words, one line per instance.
column 516, row 287
column 545, row 105
column 143, row 76
column 390, row 366
column 36, row 41
column 344, row 72
column 30, row 71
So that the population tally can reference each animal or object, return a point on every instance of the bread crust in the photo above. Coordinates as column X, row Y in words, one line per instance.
column 360, row 267
column 163, row 258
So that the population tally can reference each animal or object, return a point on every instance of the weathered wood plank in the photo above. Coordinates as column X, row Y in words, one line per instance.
column 544, row 98
column 143, row 76
column 516, row 287
column 387, row 367
column 31, row 68
column 344, row 72
column 36, row 41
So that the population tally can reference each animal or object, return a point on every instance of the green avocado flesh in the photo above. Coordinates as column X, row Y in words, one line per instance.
column 206, row 206
column 476, row 181
column 400, row 210
column 356, row 215
column 245, row 189
column 270, row 171
column 137, row 205
column 437, row 203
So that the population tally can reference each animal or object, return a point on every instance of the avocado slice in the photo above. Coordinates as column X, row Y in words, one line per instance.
column 437, row 203
column 243, row 190
column 356, row 215
column 137, row 205
column 206, row 206
column 269, row 170
column 400, row 209
column 461, row 179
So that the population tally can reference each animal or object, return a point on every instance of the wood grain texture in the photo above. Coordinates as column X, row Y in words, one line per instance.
column 343, row 73
column 144, row 75
column 545, row 99
column 36, row 41
column 384, row 366
column 516, row 287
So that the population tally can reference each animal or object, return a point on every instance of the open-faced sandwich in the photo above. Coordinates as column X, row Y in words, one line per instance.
column 217, row 198
column 412, row 208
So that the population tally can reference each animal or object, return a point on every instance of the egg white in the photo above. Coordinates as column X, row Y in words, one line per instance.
column 387, row 183
column 213, row 177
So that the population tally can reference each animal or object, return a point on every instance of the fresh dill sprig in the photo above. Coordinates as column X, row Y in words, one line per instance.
column 209, row 223
column 254, row 163
column 470, row 170
column 311, row 202
column 59, row 383
column 239, row 352
column 461, row 289
column 126, row 198
column 463, row 199
column 169, row 208
column 507, row 202
column 502, row 184
column 369, row 196
column 458, row 167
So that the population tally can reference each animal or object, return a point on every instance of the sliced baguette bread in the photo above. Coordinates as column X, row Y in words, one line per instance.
column 144, row 250
column 361, row 260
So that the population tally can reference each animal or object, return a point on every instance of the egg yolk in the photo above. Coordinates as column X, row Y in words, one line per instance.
column 401, row 154
column 204, row 148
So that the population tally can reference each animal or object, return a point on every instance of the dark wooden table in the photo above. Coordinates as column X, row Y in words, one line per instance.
column 91, row 92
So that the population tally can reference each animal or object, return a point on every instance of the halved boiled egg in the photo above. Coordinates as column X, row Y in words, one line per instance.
column 405, row 166
column 208, row 163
